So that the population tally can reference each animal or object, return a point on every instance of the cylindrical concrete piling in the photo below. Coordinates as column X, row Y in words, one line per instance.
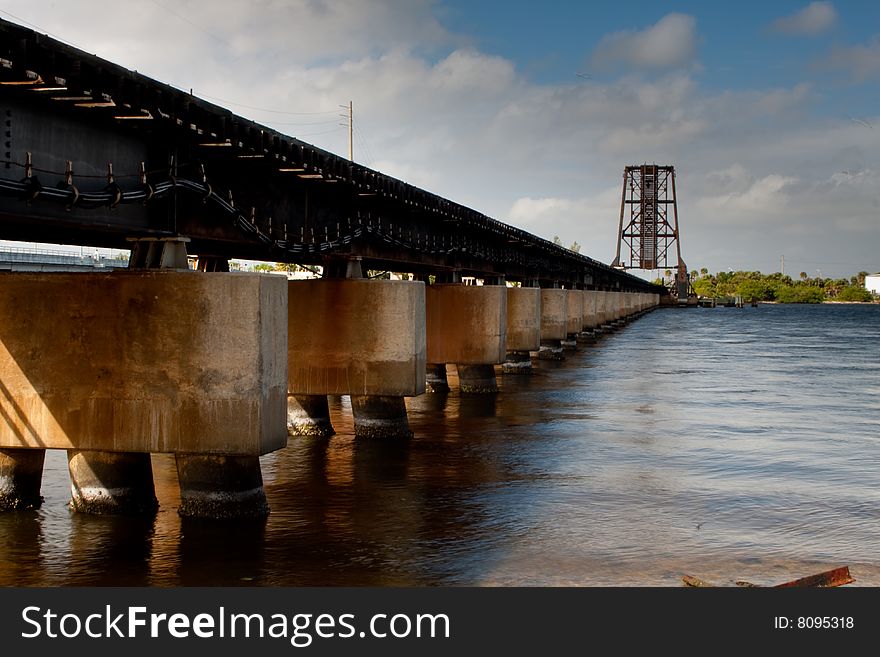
column 379, row 416
column 436, row 378
column 111, row 482
column 308, row 415
column 517, row 362
column 477, row 379
column 221, row 486
column 21, row 473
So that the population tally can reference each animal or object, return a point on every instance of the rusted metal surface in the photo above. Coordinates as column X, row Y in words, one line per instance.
column 648, row 227
column 696, row 582
column 827, row 579
column 834, row 577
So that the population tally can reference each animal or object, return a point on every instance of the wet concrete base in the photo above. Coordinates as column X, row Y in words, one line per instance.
column 551, row 350
column 308, row 415
column 21, row 474
column 111, row 483
column 517, row 362
column 569, row 344
column 377, row 416
column 221, row 487
column 477, row 379
column 586, row 336
column 436, row 378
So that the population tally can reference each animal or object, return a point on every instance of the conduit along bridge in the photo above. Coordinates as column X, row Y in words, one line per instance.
column 220, row 367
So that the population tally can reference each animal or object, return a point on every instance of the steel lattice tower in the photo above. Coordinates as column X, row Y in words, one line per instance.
column 645, row 234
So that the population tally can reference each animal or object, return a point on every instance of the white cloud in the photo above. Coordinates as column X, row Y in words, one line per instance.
column 460, row 122
column 816, row 17
column 669, row 43
column 860, row 61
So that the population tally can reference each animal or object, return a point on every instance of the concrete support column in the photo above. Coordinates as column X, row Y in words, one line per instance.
column 21, row 474
column 614, row 309
column 436, row 378
column 378, row 416
column 111, row 482
column 518, row 362
column 601, row 311
column 153, row 361
column 359, row 337
column 477, row 378
column 523, row 329
column 590, row 318
column 574, row 303
column 467, row 325
column 221, row 486
column 308, row 415
column 554, row 323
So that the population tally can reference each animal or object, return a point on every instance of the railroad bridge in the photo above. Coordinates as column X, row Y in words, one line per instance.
column 221, row 367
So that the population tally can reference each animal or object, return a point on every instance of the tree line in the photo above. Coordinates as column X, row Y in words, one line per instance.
column 755, row 286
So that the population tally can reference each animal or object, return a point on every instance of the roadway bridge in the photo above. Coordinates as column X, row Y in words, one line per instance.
column 217, row 367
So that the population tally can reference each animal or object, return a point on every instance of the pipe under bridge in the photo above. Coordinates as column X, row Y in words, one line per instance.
column 219, row 368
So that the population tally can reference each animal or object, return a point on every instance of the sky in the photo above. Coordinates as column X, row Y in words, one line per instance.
column 529, row 111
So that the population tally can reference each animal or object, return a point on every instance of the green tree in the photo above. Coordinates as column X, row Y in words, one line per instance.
column 854, row 293
column 800, row 294
column 751, row 290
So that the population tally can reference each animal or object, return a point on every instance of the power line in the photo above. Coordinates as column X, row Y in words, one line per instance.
column 264, row 109
column 366, row 145
column 192, row 23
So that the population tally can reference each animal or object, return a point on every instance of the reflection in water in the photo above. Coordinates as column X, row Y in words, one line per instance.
column 21, row 540
column 725, row 443
column 95, row 541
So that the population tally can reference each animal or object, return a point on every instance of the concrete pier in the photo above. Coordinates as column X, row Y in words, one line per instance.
column 574, row 303
column 104, row 482
column 152, row 361
column 554, row 323
column 379, row 416
column 437, row 380
column 477, row 379
column 309, row 415
column 467, row 325
column 601, row 311
column 221, row 486
column 359, row 337
column 21, row 474
column 590, row 317
column 523, row 328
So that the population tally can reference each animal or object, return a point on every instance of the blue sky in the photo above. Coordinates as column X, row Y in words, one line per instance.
column 768, row 110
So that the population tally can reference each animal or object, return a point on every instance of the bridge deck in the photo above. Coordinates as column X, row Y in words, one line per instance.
column 184, row 166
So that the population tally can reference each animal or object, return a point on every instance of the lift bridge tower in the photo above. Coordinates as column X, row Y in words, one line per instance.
column 645, row 234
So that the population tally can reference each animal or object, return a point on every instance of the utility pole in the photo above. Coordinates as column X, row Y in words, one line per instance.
column 350, row 129
column 349, row 117
column 782, row 267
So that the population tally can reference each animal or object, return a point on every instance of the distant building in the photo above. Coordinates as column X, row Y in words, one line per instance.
column 872, row 283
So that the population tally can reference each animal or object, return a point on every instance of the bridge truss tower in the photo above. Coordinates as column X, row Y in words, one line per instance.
column 648, row 229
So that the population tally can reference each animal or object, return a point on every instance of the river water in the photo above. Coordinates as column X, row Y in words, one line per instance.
column 727, row 443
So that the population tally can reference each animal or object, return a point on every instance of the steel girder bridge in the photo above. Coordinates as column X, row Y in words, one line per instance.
column 95, row 154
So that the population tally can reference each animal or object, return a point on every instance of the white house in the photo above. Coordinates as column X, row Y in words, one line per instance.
column 872, row 283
